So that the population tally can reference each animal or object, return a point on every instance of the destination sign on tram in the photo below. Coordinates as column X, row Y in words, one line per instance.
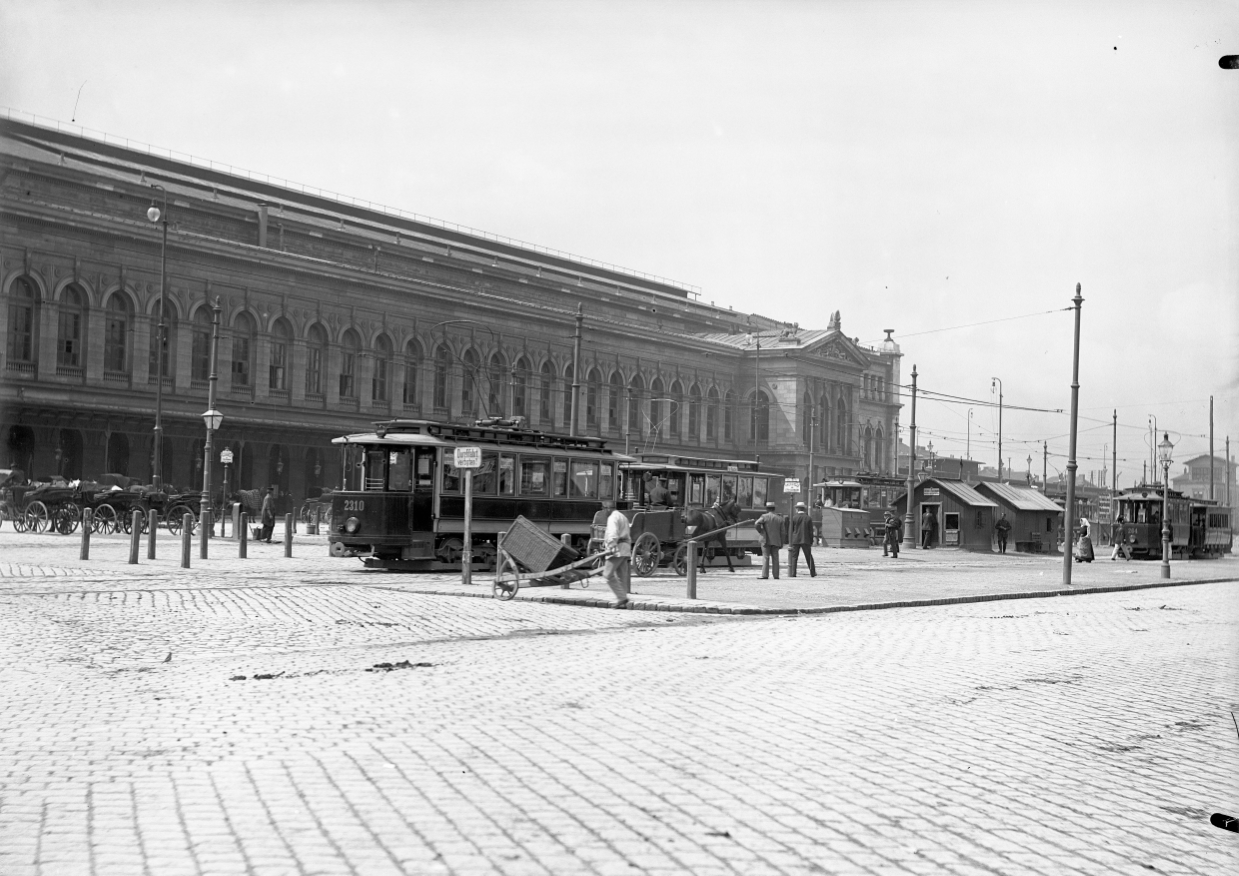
column 468, row 457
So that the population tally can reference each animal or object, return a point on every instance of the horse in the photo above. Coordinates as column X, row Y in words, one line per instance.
column 696, row 520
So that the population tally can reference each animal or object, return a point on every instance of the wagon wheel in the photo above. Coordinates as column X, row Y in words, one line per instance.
column 646, row 554
column 680, row 561
column 17, row 518
column 126, row 521
column 507, row 579
column 37, row 517
column 104, row 519
column 66, row 518
column 176, row 518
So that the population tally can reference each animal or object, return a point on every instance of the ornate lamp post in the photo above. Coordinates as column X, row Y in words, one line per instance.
column 212, row 418
column 155, row 215
column 1165, row 453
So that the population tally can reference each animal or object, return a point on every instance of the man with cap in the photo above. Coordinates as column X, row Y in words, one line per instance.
column 893, row 534
column 800, row 540
column 772, row 533
column 268, row 515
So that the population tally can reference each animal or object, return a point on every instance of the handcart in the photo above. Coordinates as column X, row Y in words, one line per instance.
column 529, row 555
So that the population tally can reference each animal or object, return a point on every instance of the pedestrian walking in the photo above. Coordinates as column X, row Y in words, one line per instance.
column 927, row 528
column 268, row 515
column 892, row 536
column 816, row 516
column 1116, row 539
column 772, row 533
column 800, row 541
column 1003, row 529
column 617, row 541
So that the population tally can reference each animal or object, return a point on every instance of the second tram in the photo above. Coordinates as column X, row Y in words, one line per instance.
column 1198, row 528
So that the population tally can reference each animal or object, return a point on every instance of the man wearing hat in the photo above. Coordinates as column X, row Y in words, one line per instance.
column 892, row 535
column 800, row 540
column 772, row 533
column 268, row 515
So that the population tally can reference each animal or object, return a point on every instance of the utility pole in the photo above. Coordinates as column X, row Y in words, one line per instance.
column 1210, row 448
column 576, row 368
column 1045, row 461
column 1069, row 510
column 997, row 380
column 812, row 423
column 1114, row 461
column 910, row 541
column 1228, row 468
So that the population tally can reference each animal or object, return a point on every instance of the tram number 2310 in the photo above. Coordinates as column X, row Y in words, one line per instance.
column 354, row 505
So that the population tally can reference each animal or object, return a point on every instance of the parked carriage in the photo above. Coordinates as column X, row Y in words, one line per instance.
column 658, row 530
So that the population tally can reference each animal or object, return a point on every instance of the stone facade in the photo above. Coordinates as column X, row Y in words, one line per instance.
column 334, row 315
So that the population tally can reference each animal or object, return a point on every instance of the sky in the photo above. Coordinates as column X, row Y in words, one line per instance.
column 950, row 170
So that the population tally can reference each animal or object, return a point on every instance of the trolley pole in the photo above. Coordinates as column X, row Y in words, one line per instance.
column 1069, row 510
column 576, row 368
column 909, row 519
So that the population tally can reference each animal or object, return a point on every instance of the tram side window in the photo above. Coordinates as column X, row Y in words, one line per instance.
column 375, row 475
column 534, row 480
column 759, row 492
column 400, row 471
column 606, row 480
column 559, row 478
column 675, row 486
column 713, row 483
column 745, row 494
column 584, row 481
column 507, row 475
column 484, row 478
column 729, row 488
column 453, row 477
column 696, row 489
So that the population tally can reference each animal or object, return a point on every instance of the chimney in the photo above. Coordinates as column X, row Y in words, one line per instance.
column 262, row 224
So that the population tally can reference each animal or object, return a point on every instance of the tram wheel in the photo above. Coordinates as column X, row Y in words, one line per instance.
column 646, row 554
column 37, row 517
column 450, row 550
column 485, row 556
column 507, row 580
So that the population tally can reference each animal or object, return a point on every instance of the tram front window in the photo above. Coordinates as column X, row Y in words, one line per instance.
column 400, row 471
column 375, row 476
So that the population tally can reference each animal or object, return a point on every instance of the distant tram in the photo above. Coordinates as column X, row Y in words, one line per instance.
column 868, row 492
column 403, row 502
column 1199, row 528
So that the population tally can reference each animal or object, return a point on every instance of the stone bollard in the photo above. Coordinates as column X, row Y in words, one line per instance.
column 243, row 538
column 88, row 521
column 288, row 535
column 152, row 519
column 691, row 559
column 135, row 537
column 187, row 539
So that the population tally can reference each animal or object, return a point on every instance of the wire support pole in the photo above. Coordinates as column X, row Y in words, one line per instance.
column 1069, row 510
column 576, row 369
column 909, row 519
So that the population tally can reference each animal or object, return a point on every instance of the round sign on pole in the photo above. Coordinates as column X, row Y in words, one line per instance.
column 225, row 456
column 468, row 457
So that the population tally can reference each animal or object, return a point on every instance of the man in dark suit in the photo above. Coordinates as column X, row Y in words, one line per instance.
column 772, row 532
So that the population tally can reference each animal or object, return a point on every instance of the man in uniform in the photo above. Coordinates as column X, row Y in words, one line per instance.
column 1003, row 528
column 892, row 535
column 618, row 543
column 800, row 540
column 927, row 529
column 772, row 532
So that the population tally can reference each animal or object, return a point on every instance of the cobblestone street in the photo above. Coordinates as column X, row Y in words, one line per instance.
column 278, row 721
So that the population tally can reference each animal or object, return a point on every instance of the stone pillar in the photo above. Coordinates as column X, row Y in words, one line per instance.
column 296, row 372
column 262, row 367
column 47, row 326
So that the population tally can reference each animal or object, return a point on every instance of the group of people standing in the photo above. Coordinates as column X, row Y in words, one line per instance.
column 796, row 532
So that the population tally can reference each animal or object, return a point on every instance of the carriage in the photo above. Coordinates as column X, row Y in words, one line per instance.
column 657, row 490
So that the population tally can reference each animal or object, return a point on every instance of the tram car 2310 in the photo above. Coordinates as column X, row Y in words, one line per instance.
column 1198, row 527
column 403, row 505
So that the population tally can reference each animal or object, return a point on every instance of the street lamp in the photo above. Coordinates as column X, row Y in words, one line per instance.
column 1029, row 472
column 931, row 459
column 1165, row 452
column 155, row 215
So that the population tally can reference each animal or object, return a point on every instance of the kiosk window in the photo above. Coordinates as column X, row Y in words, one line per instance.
column 534, row 477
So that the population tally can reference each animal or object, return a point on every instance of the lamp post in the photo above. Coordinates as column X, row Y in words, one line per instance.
column 1069, row 508
column 155, row 215
column 1165, row 451
column 998, row 380
column 1029, row 470
column 212, row 418
column 932, row 459
column 910, row 540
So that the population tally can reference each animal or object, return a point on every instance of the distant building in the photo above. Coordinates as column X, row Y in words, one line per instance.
column 1194, row 481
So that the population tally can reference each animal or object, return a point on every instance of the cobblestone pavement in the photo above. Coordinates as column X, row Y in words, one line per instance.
column 290, row 725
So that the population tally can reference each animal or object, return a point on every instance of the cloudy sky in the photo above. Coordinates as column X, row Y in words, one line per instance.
column 921, row 166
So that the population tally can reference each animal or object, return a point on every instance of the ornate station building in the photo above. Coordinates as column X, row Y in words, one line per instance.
column 334, row 314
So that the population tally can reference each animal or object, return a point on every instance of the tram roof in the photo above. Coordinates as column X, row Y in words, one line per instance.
column 1148, row 492
column 500, row 433
column 676, row 462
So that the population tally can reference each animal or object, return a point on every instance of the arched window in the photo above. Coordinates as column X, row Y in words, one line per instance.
column 169, row 344
column 568, row 378
column 494, row 386
column 712, row 414
column 841, row 427
column 443, row 368
column 242, row 349
column 657, row 398
column 412, row 361
column 468, row 386
column 350, row 346
column 520, row 388
column 200, row 346
column 694, row 413
column 281, row 343
column 635, row 387
column 382, row 369
column 116, row 338
column 759, row 430
column 544, row 394
column 729, row 416
column 673, row 410
column 591, row 398
column 69, row 335
column 23, row 325
column 315, row 360
column 615, row 392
